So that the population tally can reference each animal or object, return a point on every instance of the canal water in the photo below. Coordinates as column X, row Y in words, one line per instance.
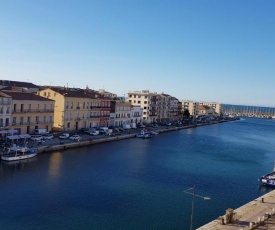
column 139, row 183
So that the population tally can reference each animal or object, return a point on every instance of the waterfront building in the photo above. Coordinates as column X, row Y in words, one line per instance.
column 156, row 107
column 195, row 110
column 136, row 114
column 120, row 113
column 18, row 86
column 147, row 101
column 30, row 111
column 205, row 110
column 77, row 108
column 5, row 111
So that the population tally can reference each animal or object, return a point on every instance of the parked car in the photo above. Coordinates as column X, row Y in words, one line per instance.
column 75, row 137
column 36, row 137
column 47, row 137
column 64, row 136
column 94, row 132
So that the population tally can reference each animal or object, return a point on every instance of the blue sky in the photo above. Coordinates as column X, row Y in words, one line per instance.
column 209, row 50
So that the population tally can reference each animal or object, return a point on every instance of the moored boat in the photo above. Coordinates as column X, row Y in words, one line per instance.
column 18, row 153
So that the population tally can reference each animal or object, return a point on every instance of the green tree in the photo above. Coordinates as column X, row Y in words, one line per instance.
column 186, row 113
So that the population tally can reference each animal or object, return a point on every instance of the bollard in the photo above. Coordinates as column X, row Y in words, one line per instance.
column 262, row 200
column 250, row 225
column 222, row 221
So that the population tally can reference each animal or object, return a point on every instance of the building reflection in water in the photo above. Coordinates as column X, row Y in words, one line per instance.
column 55, row 164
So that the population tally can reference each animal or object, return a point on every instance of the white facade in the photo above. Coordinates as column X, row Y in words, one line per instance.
column 5, row 111
column 136, row 114
column 146, row 100
column 122, row 114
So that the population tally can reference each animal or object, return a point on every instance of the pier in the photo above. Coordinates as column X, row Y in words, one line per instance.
column 257, row 214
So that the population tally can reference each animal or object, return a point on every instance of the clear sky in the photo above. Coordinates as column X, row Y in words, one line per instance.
column 209, row 50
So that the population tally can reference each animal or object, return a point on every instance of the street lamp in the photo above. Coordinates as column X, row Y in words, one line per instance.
column 193, row 202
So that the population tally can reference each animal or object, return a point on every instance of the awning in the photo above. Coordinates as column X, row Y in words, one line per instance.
column 21, row 136
column 11, row 131
column 13, row 137
column 25, row 136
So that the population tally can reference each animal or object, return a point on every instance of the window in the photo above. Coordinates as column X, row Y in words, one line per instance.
column 49, row 94
column 45, row 94
column 44, row 119
column 2, row 110
column 37, row 119
column 29, row 120
column 67, row 104
column 138, row 102
column 130, row 101
column 29, row 107
column 45, row 107
column 21, row 120
column 145, row 107
column 51, row 119
column 14, row 120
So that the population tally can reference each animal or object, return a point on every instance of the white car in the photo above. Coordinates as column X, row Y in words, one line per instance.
column 75, row 137
column 48, row 137
column 64, row 136
column 36, row 137
column 94, row 132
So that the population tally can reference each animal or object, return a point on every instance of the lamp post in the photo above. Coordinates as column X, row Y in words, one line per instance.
column 193, row 202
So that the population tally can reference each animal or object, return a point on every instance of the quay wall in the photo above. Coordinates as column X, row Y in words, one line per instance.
column 64, row 146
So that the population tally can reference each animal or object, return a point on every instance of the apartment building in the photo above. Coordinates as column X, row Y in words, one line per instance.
column 147, row 101
column 120, row 113
column 30, row 111
column 5, row 111
column 215, row 106
column 205, row 110
column 156, row 107
column 194, row 110
column 168, row 108
column 136, row 114
column 77, row 108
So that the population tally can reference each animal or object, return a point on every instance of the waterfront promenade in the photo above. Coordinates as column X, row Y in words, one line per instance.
column 56, row 144
column 257, row 214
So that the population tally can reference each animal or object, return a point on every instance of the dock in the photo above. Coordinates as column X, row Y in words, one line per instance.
column 257, row 214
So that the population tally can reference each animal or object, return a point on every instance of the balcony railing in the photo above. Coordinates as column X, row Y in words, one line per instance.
column 34, row 111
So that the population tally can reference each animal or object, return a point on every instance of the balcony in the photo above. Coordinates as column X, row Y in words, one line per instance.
column 33, row 111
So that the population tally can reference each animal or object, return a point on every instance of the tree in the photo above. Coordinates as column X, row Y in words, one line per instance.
column 186, row 113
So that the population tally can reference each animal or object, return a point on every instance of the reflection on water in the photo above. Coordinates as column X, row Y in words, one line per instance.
column 55, row 164
column 138, row 183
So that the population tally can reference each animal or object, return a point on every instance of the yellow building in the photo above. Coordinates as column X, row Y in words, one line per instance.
column 77, row 108
column 30, row 111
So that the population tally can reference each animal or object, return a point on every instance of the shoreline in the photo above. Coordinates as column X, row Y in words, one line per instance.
column 64, row 146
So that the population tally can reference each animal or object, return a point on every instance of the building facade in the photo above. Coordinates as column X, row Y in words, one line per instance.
column 5, row 111
column 121, row 113
column 30, row 112
column 77, row 108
